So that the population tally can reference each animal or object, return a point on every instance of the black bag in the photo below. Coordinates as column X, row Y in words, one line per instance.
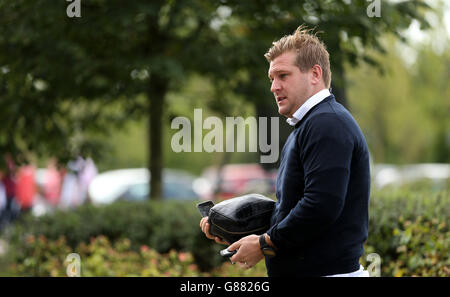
column 238, row 217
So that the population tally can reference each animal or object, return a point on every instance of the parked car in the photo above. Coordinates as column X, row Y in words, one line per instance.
column 235, row 180
column 133, row 185
column 397, row 175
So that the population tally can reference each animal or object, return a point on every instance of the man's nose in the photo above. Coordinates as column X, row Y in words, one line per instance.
column 276, row 86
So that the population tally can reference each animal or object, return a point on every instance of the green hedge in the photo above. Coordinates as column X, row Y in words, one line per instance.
column 407, row 229
column 100, row 257
column 160, row 225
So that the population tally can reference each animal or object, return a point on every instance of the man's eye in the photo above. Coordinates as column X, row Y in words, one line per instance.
column 283, row 75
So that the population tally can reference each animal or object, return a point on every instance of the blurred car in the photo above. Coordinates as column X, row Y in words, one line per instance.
column 397, row 175
column 133, row 185
column 234, row 180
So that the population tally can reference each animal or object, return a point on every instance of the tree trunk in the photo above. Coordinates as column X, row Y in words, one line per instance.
column 338, row 86
column 156, row 96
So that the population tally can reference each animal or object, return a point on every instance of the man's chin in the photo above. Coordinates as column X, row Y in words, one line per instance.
column 283, row 112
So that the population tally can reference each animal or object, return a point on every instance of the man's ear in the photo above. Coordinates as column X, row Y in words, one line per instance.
column 316, row 71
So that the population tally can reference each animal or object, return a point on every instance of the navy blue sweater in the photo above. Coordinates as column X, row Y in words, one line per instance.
column 320, row 221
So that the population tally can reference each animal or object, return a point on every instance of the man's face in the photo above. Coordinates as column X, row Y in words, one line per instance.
column 290, row 86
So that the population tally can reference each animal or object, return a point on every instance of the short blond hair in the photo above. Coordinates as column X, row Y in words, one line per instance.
column 310, row 51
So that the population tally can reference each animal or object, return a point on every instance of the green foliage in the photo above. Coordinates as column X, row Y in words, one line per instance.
column 408, row 229
column 410, row 232
column 124, row 59
column 404, row 113
column 39, row 257
column 161, row 225
column 99, row 257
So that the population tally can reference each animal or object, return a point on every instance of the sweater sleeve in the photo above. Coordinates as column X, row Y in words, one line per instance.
column 325, row 153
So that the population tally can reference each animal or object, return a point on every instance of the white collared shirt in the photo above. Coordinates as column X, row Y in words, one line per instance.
column 310, row 103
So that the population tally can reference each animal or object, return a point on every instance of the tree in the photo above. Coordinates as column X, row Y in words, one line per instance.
column 346, row 28
column 53, row 64
column 61, row 76
column 404, row 113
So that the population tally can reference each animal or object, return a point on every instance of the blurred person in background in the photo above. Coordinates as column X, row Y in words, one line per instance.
column 26, row 187
column 86, row 175
column 70, row 191
column 11, row 210
column 2, row 199
column 79, row 174
column 52, row 183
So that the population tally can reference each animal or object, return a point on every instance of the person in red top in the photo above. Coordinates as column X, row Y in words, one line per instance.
column 52, row 183
column 25, row 187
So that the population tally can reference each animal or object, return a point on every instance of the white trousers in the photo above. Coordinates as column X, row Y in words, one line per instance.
column 358, row 273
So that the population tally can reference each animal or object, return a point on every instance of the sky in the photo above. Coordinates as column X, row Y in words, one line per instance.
column 417, row 35
column 438, row 36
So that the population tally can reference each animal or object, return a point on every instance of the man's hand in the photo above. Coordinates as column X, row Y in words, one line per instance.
column 204, row 225
column 249, row 253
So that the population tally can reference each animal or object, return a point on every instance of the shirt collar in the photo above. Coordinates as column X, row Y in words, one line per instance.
column 310, row 103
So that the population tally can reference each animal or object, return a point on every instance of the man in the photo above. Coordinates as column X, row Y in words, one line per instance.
column 320, row 221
